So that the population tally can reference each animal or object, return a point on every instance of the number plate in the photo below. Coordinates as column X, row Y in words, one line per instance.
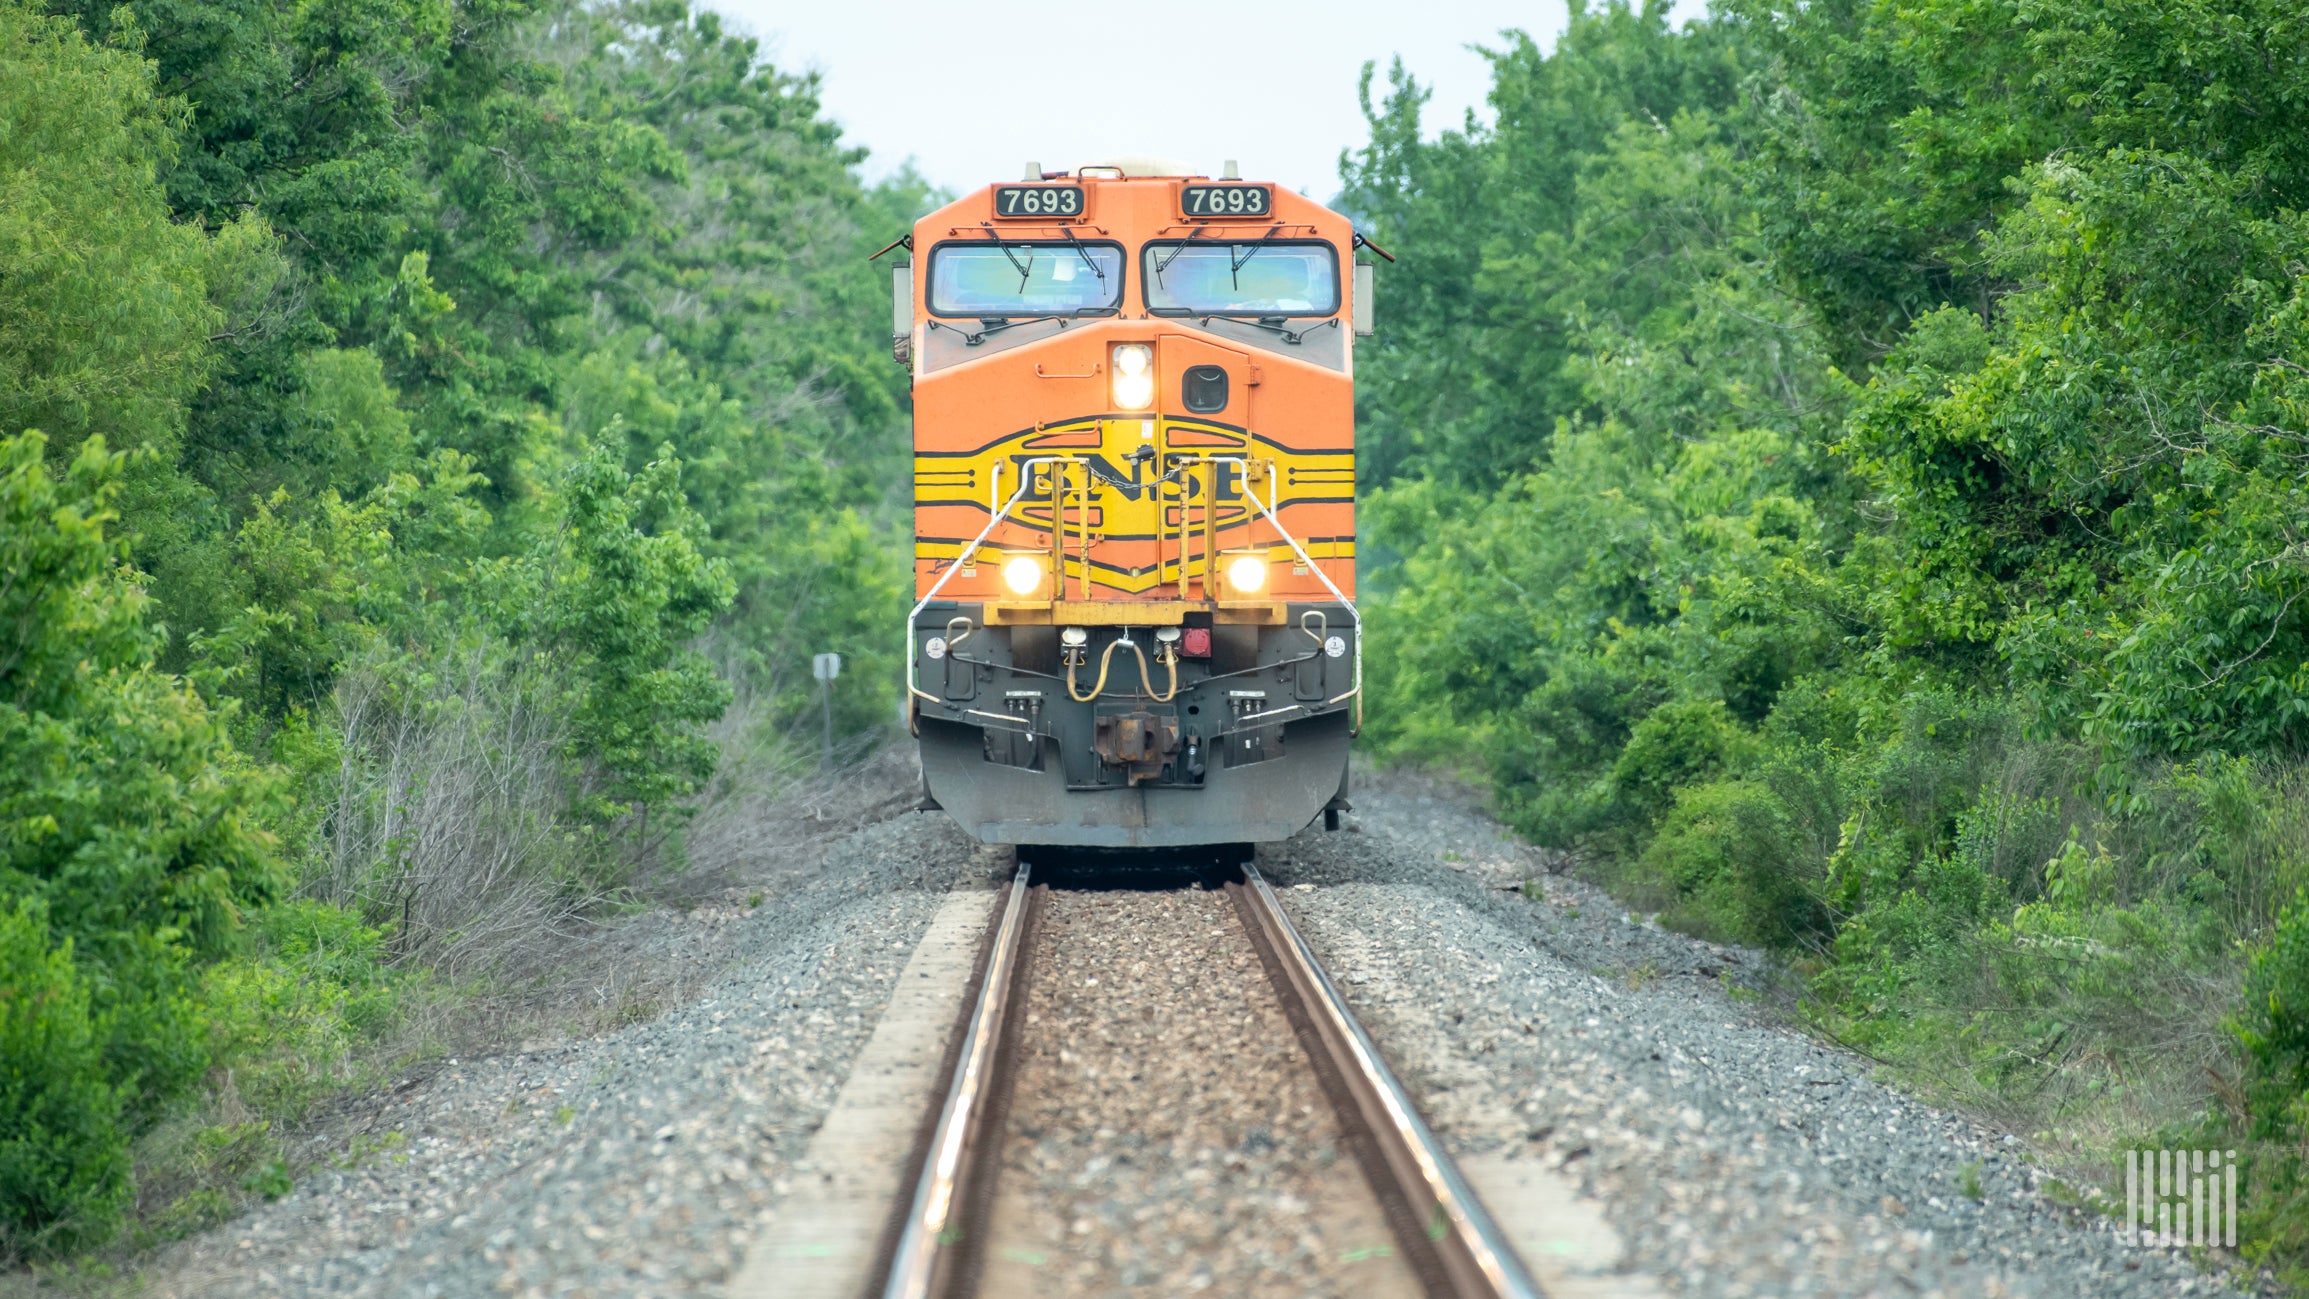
column 1038, row 200
column 1226, row 200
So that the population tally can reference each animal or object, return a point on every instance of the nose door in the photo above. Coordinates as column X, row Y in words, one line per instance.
column 1207, row 392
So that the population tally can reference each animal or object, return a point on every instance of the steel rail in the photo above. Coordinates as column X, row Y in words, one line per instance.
column 917, row 1264
column 1474, row 1252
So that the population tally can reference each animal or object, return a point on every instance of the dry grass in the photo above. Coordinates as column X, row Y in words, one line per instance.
column 448, row 819
column 450, row 823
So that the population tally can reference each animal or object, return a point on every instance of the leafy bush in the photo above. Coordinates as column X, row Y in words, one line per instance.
column 1674, row 746
column 63, row 1150
column 123, row 805
column 2271, row 1026
column 1734, row 868
column 130, row 835
column 291, row 1015
column 625, row 588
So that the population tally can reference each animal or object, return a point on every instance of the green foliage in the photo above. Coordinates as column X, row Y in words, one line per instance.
column 63, row 1156
column 635, row 591
column 2086, row 491
column 1733, row 868
column 1504, row 235
column 1675, row 745
column 2272, row 1027
column 124, row 808
column 292, row 1013
column 1889, row 134
column 131, row 841
column 479, row 368
column 104, row 301
column 1842, row 472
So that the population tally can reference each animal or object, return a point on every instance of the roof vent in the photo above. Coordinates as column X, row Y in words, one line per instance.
column 1230, row 171
column 1034, row 171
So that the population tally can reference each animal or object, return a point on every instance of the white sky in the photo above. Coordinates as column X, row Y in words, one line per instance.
column 971, row 92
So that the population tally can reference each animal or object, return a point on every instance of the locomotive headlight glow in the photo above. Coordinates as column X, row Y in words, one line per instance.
column 1134, row 381
column 1246, row 573
column 1022, row 574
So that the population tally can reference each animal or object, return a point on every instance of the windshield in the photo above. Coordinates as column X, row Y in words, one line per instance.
column 1024, row 279
column 1257, row 279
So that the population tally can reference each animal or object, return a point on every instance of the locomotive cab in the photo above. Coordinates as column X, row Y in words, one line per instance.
column 1134, row 471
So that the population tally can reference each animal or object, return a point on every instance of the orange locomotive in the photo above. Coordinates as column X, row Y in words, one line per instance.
column 1134, row 505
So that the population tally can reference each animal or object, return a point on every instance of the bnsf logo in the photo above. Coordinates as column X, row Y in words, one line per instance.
column 1132, row 481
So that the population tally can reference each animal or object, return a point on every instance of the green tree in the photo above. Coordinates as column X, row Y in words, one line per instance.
column 1497, row 280
column 64, row 1167
column 624, row 589
column 131, row 831
column 104, row 300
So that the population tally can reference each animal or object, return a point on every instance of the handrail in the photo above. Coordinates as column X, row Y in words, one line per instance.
column 914, row 688
column 1242, row 467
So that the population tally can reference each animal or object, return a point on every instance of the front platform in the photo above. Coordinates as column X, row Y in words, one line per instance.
column 1258, row 802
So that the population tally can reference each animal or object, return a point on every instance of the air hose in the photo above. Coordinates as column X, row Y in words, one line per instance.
column 1146, row 677
column 1168, row 656
column 1105, row 661
column 1165, row 656
column 1076, row 695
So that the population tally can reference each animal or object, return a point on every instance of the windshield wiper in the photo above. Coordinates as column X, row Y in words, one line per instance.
column 1164, row 264
column 1084, row 254
column 1235, row 266
column 996, row 324
column 1024, row 272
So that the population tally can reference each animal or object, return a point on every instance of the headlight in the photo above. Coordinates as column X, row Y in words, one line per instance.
column 1246, row 572
column 1133, row 376
column 1022, row 574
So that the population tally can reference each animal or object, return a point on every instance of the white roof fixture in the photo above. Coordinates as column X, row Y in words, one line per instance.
column 1033, row 171
column 1137, row 165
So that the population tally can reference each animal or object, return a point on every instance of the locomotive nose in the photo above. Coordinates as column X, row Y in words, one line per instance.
column 1130, row 545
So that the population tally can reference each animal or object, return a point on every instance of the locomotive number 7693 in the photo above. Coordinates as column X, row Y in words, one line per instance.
column 1225, row 200
column 1038, row 200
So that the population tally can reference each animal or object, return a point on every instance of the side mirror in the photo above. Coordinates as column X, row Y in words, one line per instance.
column 1366, row 319
column 902, row 311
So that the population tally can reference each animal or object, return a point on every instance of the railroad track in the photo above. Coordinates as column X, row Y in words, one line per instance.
column 1442, row 1231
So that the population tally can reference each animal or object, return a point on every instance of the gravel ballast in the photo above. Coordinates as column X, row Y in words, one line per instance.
column 637, row 1163
column 1168, row 1135
column 1735, row 1155
column 1738, row 1156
